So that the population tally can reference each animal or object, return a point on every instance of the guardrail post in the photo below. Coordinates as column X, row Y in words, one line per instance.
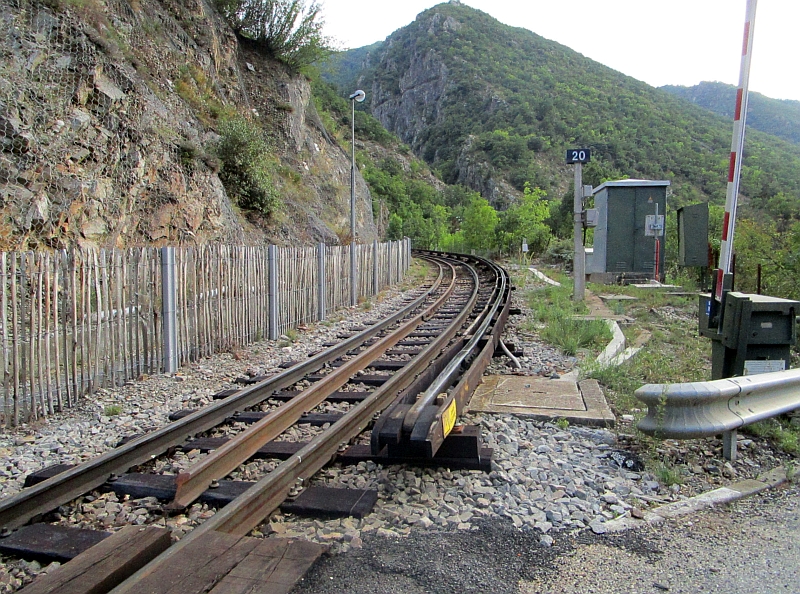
column 168, row 309
column 272, row 257
column 322, row 287
column 729, row 444
column 375, row 282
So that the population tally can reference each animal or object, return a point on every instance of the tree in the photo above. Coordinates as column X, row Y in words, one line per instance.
column 525, row 220
column 289, row 29
column 478, row 227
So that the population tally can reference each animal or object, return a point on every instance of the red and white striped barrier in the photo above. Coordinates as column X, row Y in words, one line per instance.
column 737, row 147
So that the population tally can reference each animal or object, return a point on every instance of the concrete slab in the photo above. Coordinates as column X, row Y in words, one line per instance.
column 544, row 277
column 513, row 393
column 543, row 399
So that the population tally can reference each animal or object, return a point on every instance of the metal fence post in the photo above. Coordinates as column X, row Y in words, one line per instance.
column 322, row 286
column 375, row 278
column 272, row 257
column 168, row 309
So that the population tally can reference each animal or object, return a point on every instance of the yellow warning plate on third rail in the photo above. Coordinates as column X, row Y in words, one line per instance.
column 449, row 418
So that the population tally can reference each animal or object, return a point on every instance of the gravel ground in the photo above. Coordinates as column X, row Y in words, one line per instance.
column 750, row 547
column 548, row 482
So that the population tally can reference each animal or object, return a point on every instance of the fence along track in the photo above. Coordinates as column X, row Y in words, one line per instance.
column 248, row 510
column 71, row 322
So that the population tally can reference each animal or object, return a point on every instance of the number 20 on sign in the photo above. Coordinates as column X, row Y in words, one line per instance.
column 578, row 156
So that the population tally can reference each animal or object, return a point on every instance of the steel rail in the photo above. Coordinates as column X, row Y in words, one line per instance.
column 192, row 482
column 254, row 505
column 429, row 435
column 20, row 508
column 385, row 430
column 459, row 362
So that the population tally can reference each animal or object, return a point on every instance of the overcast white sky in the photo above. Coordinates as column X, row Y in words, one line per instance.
column 660, row 42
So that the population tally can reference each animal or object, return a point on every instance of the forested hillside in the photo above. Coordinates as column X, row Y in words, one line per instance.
column 486, row 104
column 779, row 117
column 492, row 109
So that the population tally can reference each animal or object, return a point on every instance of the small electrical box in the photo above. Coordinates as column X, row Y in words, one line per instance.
column 693, row 235
column 591, row 217
column 756, row 335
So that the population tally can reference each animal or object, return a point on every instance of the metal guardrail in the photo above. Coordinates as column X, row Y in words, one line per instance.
column 703, row 409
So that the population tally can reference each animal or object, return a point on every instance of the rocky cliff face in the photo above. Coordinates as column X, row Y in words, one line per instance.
column 410, row 87
column 107, row 128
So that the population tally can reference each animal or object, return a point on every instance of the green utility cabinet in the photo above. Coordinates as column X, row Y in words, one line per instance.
column 756, row 336
column 630, row 223
column 693, row 235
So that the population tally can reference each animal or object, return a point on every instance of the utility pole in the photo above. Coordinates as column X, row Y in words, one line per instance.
column 578, row 157
column 357, row 96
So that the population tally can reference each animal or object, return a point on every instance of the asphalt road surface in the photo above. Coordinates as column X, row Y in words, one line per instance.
column 749, row 547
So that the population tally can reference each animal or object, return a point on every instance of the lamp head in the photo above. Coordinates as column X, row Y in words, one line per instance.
column 359, row 96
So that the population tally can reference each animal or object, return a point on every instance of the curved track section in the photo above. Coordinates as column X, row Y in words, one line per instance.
column 406, row 378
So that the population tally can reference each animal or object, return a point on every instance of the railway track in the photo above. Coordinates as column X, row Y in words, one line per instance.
column 406, row 377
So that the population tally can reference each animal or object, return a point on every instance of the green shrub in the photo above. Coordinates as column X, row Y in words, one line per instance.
column 560, row 251
column 246, row 164
column 289, row 29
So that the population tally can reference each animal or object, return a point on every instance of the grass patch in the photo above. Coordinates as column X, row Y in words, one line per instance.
column 667, row 474
column 785, row 435
column 571, row 335
column 416, row 274
column 112, row 410
column 550, row 302
column 554, row 309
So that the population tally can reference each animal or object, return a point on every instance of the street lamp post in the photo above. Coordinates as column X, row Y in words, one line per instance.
column 357, row 96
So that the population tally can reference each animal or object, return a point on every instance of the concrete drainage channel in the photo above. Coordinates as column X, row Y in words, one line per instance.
column 729, row 494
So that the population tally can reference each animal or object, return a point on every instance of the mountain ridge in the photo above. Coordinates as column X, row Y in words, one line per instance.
column 778, row 117
column 493, row 107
